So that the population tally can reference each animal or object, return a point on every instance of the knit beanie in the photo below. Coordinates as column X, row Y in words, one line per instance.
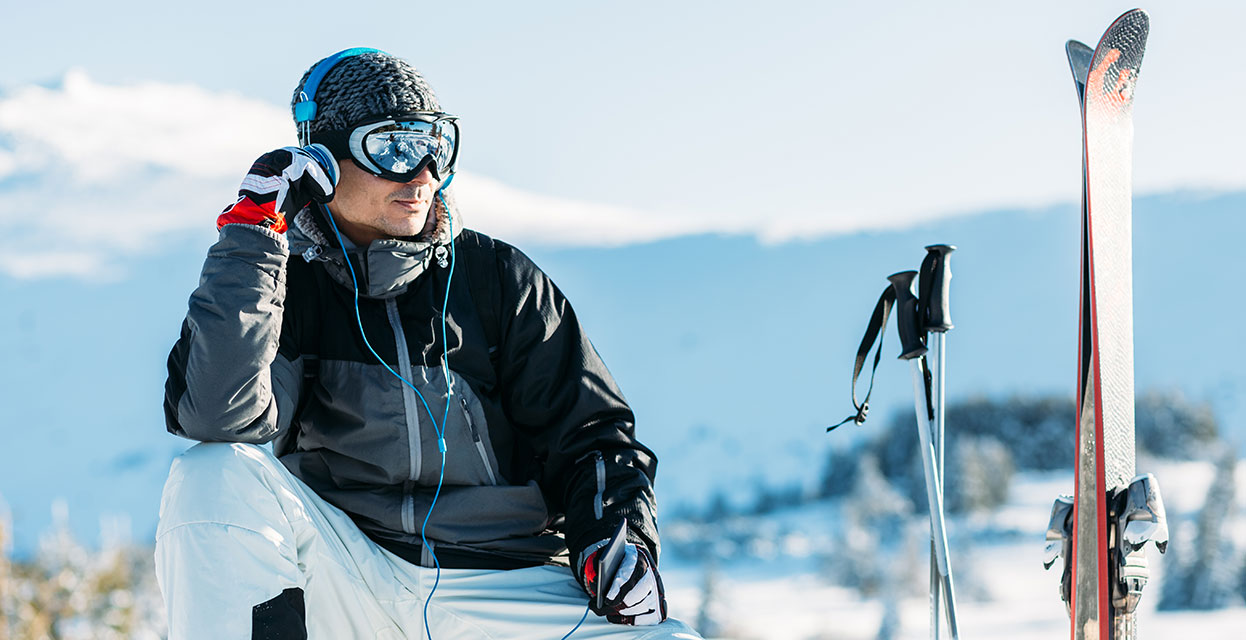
column 367, row 85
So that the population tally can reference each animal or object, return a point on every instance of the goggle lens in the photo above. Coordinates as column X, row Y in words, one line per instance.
column 402, row 147
column 398, row 148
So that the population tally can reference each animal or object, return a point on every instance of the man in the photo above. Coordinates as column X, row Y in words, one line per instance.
column 451, row 458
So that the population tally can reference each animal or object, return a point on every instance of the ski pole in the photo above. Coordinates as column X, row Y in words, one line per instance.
column 935, row 279
column 912, row 349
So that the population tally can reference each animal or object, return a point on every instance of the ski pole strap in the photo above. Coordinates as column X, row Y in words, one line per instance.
column 872, row 333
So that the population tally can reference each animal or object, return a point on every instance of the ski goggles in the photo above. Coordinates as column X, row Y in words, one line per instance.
column 398, row 148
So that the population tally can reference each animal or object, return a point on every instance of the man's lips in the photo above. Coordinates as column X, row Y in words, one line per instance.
column 411, row 204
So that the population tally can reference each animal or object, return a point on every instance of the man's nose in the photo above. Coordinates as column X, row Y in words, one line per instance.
column 423, row 177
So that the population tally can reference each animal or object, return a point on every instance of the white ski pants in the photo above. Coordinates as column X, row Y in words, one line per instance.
column 237, row 529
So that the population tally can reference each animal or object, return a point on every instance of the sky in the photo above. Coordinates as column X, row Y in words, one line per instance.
column 126, row 126
column 600, row 124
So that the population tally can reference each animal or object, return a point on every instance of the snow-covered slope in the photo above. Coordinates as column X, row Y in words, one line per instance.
column 771, row 578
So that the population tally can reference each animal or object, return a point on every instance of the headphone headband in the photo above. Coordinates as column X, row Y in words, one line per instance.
column 305, row 109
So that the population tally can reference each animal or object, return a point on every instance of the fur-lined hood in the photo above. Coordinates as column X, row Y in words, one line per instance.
column 386, row 267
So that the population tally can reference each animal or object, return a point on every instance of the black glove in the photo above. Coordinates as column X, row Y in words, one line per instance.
column 279, row 184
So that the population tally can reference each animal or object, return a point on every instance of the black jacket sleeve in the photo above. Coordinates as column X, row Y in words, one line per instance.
column 559, row 395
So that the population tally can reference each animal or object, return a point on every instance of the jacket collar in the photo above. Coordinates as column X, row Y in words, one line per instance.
column 385, row 268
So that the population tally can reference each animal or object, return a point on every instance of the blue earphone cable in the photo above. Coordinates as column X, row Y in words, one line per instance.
column 439, row 429
column 577, row 625
column 441, row 440
column 441, row 443
column 445, row 345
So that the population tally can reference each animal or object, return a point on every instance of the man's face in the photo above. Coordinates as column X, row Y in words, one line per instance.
column 369, row 207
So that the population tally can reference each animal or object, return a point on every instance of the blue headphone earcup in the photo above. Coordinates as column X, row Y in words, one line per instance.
column 325, row 159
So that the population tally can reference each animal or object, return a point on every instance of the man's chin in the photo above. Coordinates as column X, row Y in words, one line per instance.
column 409, row 233
column 406, row 227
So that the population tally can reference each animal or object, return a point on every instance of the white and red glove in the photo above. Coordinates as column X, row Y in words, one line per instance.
column 279, row 184
column 635, row 595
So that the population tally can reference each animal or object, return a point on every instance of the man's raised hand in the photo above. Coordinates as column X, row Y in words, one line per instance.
column 279, row 184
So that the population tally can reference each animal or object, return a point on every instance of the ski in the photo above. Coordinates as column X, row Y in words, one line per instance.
column 1113, row 513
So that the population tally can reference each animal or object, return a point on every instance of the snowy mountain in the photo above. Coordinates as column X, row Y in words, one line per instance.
column 735, row 354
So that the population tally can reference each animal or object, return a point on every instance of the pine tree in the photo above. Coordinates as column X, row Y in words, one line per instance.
column 707, row 613
column 890, row 625
column 1202, row 577
column 874, row 518
column 1170, row 426
column 840, row 472
column 979, row 473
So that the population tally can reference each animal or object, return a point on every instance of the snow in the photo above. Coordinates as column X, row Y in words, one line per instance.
column 770, row 575
column 1002, row 588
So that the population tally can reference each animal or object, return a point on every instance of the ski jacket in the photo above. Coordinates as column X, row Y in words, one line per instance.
column 540, row 454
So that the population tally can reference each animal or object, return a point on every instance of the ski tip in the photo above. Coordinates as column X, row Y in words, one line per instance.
column 1139, row 13
column 1141, row 19
column 1116, row 62
column 1131, row 27
column 1080, row 55
column 1077, row 47
column 1133, row 16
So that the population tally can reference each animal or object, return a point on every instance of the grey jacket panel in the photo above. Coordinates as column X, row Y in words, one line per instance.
column 467, row 515
column 235, row 387
column 356, row 425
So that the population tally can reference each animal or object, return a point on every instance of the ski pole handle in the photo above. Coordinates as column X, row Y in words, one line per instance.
column 936, row 280
column 912, row 335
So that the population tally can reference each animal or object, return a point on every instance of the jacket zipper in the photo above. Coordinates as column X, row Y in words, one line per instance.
column 601, row 486
column 599, row 464
column 480, row 445
column 412, row 415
